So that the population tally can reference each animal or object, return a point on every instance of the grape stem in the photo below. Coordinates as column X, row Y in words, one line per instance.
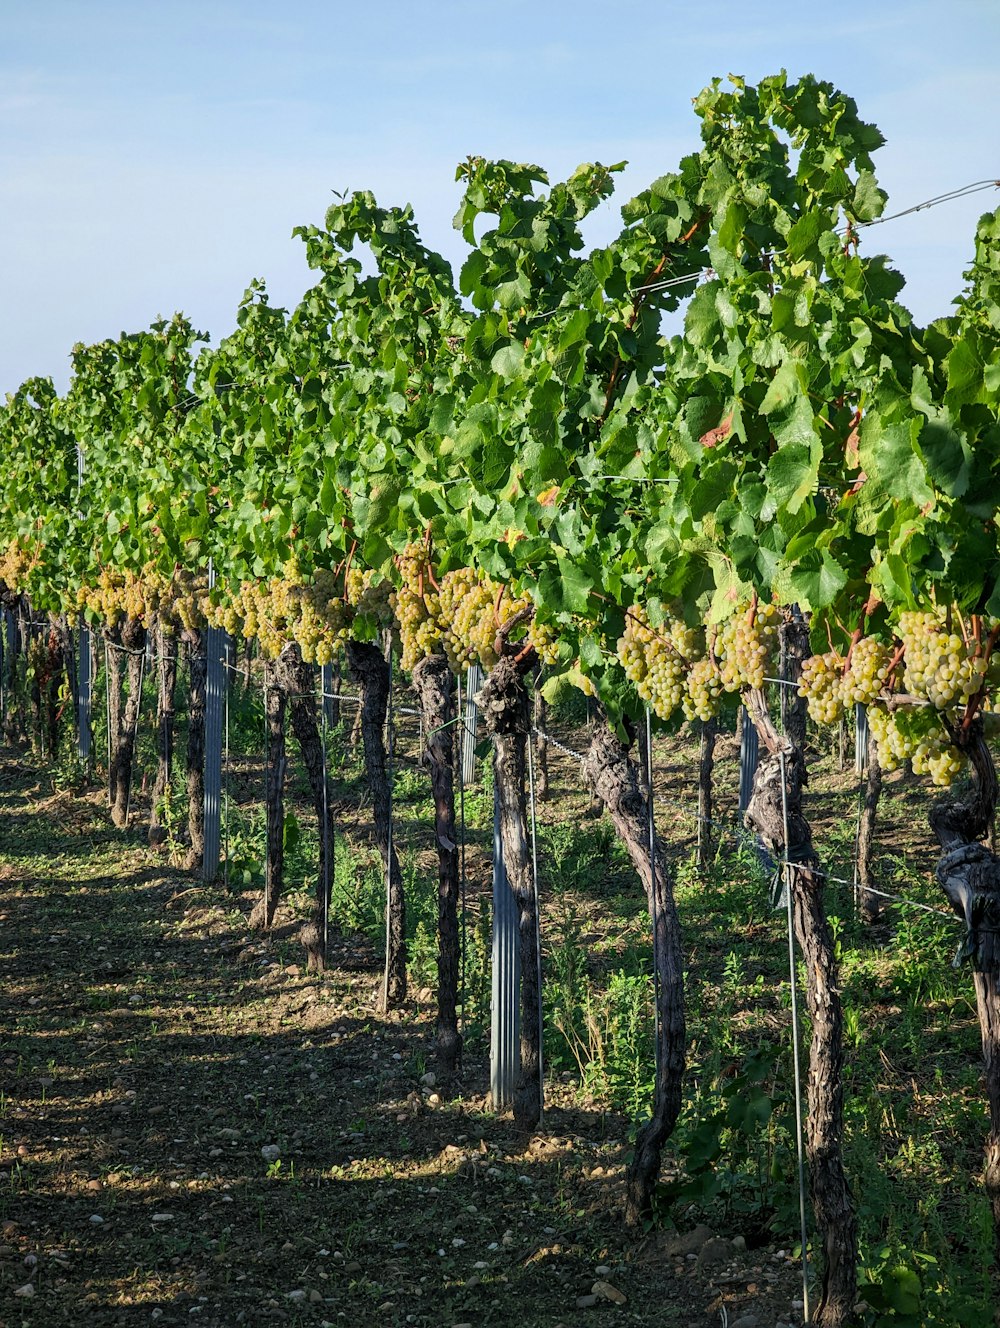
column 893, row 665
column 427, row 551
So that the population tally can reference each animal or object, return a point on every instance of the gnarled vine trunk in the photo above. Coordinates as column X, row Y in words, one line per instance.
column 299, row 681
column 772, row 799
column 166, row 688
column 614, row 778
column 370, row 671
column 969, row 874
column 435, row 688
column 503, row 701
column 126, row 650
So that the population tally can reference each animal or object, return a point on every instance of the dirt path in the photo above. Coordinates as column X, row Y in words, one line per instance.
column 193, row 1131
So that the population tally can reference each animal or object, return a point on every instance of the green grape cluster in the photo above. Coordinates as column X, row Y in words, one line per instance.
column 460, row 614
column 867, row 672
column 747, row 645
column 544, row 640
column 654, row 661
column 940, row 666
column 147, row 596
column 468, row 620
column 15, row 563
column 915, row 735
column 821, row 683
column 704, row 691
column 313, row 614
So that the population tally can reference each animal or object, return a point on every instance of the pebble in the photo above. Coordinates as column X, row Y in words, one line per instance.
column 270, row 1152
column 96, row 1219
column 586, row 1302
column 605, row 1291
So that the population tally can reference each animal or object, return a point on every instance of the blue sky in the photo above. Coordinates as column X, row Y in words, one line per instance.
column 156, row 157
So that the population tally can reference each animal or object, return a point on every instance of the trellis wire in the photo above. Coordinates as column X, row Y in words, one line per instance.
column 800, row 1149
column 739, row 832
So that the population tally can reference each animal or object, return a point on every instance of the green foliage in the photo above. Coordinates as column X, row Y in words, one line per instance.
column 736, row 1146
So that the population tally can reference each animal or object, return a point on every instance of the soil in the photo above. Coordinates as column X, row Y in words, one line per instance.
column 195, row 1131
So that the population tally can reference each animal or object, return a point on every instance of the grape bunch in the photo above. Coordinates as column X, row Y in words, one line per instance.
column 915, row 735
column 459, row 613
column 867, row 673
column 704, row 691
column 940, row 666
column 747, row 646
column 822, row 684
column 655, row 662
column 14, row 566
column 545, row 641
column 313, row 614
column 468, row 620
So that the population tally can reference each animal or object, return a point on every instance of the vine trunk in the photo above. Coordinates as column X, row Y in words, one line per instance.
column 614, row 778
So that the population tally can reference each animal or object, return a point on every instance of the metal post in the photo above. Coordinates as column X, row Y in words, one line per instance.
column 749, row 753
column 538, row 936
column 84, row 687
column 473, row 682
column 215, row 686
column 505, row 1022
column 860, row 739
column 10, row 660
column 325, row 836
column 328, row 698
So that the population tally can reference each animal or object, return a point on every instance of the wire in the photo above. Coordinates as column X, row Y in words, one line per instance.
column 739, row 832
column 977, row 187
